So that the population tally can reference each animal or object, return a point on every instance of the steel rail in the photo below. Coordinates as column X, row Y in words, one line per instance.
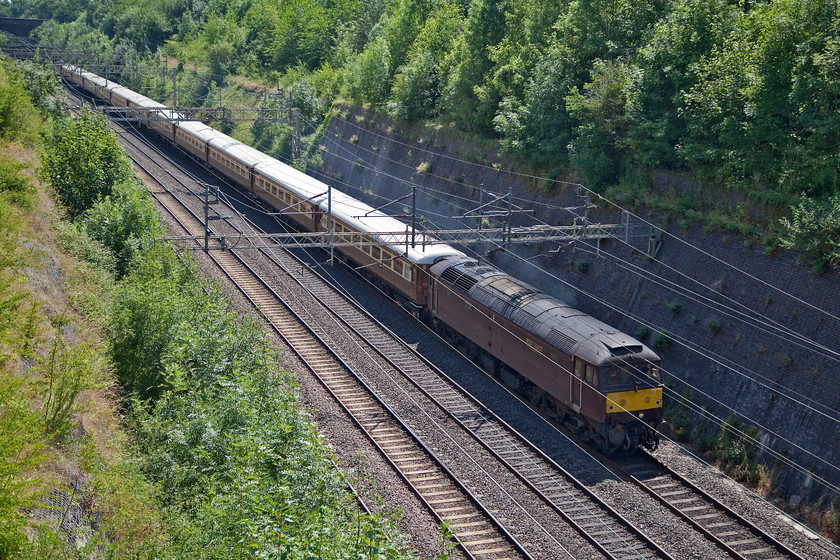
column 464, row 545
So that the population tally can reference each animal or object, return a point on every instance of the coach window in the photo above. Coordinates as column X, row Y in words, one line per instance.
column 407, row 271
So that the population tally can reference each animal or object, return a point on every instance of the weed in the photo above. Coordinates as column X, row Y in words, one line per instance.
column 674, row 308
column 583, row 266
column 641, row 332
column 354, row 139
column 662, row 341
column 714, row 326
column 424, row 167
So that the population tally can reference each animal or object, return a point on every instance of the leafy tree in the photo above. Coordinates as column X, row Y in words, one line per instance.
column 62, row 11
column 19, row 119
column 418, row 83
column 125, row 221
column 606, row 112
column 148, row 313
column 690, row 31
column 814, row 228
column 469, row 62
column 368, row 74
column 83, row 161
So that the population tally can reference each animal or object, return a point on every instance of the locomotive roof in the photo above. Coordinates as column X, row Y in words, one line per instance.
column 559, row 324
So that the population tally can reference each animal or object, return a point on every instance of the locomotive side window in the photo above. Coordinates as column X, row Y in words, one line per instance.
column 579, row 367
column 591, row 378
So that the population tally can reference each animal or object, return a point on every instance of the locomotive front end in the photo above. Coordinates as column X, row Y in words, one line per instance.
column 634, row 404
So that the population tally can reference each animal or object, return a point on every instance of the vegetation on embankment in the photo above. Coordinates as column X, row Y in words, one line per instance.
column 739, row 96
column 130, row 395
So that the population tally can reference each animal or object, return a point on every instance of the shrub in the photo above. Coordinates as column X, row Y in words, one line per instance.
column 662, row 341
column 18, row 188
column 125, row 221
column 83, row 161
column 424, row 167
column 583, row 266
column 715, row 326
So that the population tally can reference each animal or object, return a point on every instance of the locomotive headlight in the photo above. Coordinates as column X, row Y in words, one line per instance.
column 641, row 415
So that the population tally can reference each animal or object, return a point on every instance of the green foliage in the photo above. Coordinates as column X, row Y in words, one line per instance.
column 662, row 341
column 21, row 427
column 814, row 229
column 21, row 449
column 83, row 161
column 737, row 448
column 43, row 87
column 146, row 320
column 19, row 119
column 678, row 411
column 16, row 187
column 65, row 373
column 606, row 112
column 419, row 81
column 240, row 470
column 368, row 74
column 125, row 221
column 714, row 326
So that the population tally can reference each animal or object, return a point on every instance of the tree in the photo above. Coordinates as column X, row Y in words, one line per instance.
column 418, row 82
column 83, row 161
column 125, row 221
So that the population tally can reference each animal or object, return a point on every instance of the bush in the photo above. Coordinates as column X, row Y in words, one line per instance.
column 662, row 341
column 814, row 228
column 84, row 161
column 18, row 188
column 125, row 221
column 240, row 468
column 19, row 119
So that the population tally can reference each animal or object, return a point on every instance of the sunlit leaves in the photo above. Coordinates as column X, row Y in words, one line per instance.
column 84, row 161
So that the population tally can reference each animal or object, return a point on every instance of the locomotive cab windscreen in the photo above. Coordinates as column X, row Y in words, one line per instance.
column 624, row 376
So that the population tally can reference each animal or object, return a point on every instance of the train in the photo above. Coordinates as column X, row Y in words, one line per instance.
column 603, row 384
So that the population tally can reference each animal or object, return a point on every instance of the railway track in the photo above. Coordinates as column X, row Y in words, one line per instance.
column 478, row 534
column 735, row 534
column 603, row 527
column 477, row 531
column 400, row 442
